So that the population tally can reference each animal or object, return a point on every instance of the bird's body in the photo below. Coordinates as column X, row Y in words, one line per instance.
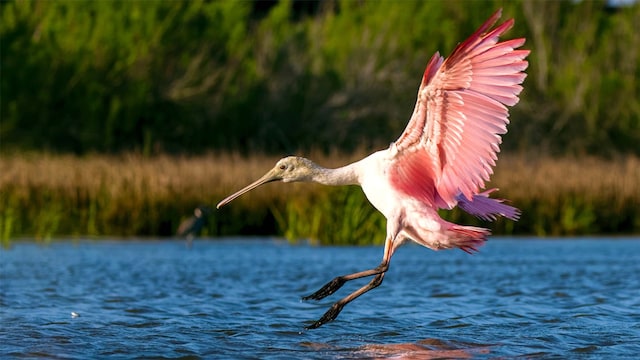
column 441, row 160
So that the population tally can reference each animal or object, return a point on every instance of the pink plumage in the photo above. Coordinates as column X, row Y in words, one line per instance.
column 461, row 112
column 442, row 159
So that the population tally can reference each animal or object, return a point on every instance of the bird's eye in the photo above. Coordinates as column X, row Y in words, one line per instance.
column 282, row 167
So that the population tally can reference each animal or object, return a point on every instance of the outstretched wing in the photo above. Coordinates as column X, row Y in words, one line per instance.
column 455, row 131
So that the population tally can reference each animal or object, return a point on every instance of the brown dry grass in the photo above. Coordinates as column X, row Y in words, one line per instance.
column 217, row 174
column 209, row 176
column 135, row 195
column 526, row 177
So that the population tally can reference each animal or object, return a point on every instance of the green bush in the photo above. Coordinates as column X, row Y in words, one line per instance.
column 191, row 76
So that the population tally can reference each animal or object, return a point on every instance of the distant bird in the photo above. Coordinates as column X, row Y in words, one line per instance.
column 191, row 227
column 441, row 160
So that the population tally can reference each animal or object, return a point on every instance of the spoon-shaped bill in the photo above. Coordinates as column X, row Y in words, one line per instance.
column 268, row 177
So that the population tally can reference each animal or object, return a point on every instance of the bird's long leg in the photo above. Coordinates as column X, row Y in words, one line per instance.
column 335, row 284
column 335, row 309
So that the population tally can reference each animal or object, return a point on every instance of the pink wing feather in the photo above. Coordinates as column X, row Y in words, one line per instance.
column 453, row 136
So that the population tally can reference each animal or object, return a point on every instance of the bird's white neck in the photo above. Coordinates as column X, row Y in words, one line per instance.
column 345, row 175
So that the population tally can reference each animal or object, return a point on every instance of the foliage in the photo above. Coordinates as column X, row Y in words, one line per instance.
column 582, row 94
column 108, row 76
column 332, row 217
column 131, row 195
column 191, row 76
column 185, row 77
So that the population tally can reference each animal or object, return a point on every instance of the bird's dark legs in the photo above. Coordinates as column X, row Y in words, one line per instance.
column 335, row 309
column 335, row 284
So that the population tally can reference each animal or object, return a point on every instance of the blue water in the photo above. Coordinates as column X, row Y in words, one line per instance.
column 241, row 299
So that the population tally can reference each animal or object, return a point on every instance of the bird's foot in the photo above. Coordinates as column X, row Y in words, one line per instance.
column 328, row 289
column 330, row 315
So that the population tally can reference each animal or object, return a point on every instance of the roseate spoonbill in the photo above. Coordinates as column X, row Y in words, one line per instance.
column 441, row 160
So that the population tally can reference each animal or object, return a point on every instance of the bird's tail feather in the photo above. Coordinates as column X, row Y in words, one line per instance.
column 486, row 208
column 469, row 238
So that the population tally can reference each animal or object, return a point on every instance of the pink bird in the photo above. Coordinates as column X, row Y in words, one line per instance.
column 441, row 160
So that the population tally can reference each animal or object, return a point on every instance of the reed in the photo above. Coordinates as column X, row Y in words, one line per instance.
column 45, row 196
column 573, row 196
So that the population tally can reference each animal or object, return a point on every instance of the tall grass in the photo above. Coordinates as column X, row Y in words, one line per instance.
column 46, row 196
column 573, row 196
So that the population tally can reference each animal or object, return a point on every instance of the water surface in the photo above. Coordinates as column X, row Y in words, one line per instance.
column 531, row 298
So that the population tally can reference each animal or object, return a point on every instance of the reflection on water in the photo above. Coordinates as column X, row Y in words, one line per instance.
column 421, row 350
column 241, row 299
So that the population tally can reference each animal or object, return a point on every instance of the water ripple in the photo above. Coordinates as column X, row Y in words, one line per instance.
column 241, row 299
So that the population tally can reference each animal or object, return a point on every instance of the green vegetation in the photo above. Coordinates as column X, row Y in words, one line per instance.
column 281, row 77
column 50, row 196
column 165, row 80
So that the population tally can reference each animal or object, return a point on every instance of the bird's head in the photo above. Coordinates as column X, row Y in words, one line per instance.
column 288, row 169
column 202, row 211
